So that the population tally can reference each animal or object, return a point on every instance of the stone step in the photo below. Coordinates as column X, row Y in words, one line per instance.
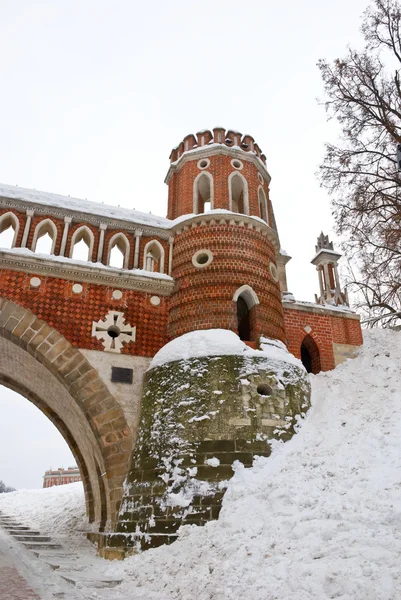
column 64, row 564
column 32, row 538
column 15, row 526
column 38, row 545
column 93, row 580
column 17, row 532
column 50, row 554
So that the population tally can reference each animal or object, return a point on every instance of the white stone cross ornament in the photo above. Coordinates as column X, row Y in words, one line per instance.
column 113, row 331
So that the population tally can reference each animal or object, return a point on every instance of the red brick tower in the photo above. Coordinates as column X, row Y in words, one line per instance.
column 225, row 250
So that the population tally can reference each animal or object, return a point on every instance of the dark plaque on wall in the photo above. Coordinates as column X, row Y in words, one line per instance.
column 121, row 375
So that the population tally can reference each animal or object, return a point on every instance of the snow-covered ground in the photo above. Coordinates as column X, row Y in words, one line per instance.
column 319, row 519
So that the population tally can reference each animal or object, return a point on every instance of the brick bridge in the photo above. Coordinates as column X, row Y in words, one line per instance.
column 89, row 293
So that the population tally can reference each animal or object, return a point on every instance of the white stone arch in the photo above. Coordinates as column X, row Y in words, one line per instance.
column 153, row 251
column 121, row 241
column 203, row 175
column 231, row 182
column 7, row 220
column 248, row 294
column 45, row 226
column 83, row 233
column 262, row 201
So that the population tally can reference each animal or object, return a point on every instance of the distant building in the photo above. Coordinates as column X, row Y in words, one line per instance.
column 61, row 476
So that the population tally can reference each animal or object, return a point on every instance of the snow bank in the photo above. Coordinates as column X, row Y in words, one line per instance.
column 218, row 342
column 57, row 510
column 319, row 519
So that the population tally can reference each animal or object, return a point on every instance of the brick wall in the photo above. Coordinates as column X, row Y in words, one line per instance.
column 72, row 314
column 181, row 185
column 326, row 329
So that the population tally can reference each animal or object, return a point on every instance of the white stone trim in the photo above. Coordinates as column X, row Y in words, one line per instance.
column 207, row 160
column 114, row 241
column 196, row 190
column 238, row 167
column 113, row 320
column 230, row 191
column 161, row 250
column 199, row 253
column 249, row 295
column 80, row 234
column 15, row 223
column 47, row 226
column 121, row 278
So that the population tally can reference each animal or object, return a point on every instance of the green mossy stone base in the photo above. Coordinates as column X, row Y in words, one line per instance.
column 199, row 416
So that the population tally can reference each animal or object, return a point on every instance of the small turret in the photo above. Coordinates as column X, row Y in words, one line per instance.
column 325, row 261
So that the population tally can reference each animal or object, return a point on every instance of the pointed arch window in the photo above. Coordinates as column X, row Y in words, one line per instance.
column 9, row 226
column 262, row 205
column 153, row 257
column 118, row 252
column 44, row 237
column 238, row 193
column 203, row 193
column 82, row 243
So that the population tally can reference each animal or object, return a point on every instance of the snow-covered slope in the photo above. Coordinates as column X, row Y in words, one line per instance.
column 319, row 519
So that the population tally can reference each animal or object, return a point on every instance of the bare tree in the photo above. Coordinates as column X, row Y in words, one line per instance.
column 363, row 92
column 4, row 489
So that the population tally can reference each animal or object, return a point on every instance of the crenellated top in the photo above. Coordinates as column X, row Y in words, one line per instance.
column 229, row 138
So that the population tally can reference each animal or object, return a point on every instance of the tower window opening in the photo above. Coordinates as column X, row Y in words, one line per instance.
column 238, row 191
column 118, row 253
column 262, row 205
column 81, row 251
column 244, row 320
column 203, row 194
column 9, row 226
column 82, row 243
column 44, row 238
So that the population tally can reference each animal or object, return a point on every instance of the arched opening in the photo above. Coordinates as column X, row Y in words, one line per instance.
column 310, row 355
column 153, row 257
column 238, row 193
column 246, row 302
column 22, row 469
column 244, row 319
column 203, row 193
column 44, row 238
column 59, row 381
column 118, row 254
column 9, row 226
column 262, row 205
column 82, row 244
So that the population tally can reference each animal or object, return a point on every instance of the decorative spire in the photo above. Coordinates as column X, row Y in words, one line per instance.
column 325, row 261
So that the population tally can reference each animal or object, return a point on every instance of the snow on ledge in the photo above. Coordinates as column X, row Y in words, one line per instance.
column 83, row 263
column 219, row 342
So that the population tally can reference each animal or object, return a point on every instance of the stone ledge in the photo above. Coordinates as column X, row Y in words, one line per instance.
column 320, row 310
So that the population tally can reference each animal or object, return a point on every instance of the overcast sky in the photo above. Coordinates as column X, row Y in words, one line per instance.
column 94, row 94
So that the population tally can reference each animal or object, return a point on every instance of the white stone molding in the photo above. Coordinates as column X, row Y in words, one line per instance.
column 35, row 282
column 202, row 258
column 9, row 218
column 232, row 176
column 121, row 241
column 113, row 331
column 102, row 229
column 248, row 294
column 83, row 233
column 67, row 222
column 196, row 191
column 170, row 255
column 90, row 273
column 29, row 215
column 138, row 235
column 262, row 201
column 217, row 149
column 45, row 226
column 147, row 255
